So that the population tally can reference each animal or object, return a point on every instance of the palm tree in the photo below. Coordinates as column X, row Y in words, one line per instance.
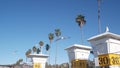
column 38, row 50
column 41, row 43
column 28, row 53
column 81, row 21
column 34, row 49
column 58, row 34
column 19, row 61
column 51, row 37
column 47, row 47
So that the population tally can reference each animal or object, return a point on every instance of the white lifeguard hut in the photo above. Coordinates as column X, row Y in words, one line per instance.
column 106, row 49
column 39, row 60
column 78, row 55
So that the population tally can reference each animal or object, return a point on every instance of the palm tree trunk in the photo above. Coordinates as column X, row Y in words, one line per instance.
column 26, row 59
column 56, row 53
column 81, row 36
column 40, row 50
column 49, row 54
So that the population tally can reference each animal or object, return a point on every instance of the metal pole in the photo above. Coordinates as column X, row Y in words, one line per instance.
column 61, row 38
column 99, row 25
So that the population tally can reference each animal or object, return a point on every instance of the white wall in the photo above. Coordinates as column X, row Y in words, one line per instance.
column 82, row 54
column 113, row 46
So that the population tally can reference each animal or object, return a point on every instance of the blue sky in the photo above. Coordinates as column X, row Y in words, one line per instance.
column 23, row 23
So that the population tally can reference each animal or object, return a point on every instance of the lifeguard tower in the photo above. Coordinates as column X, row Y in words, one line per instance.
column 106, row 49
column 39, row 60
column 78, row 55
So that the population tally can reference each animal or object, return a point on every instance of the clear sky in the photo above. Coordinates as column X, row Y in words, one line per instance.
column 23, row 23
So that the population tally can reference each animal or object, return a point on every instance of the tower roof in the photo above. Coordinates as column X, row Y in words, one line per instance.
column 79, row 47
column 105, row 34
column 37, row 55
